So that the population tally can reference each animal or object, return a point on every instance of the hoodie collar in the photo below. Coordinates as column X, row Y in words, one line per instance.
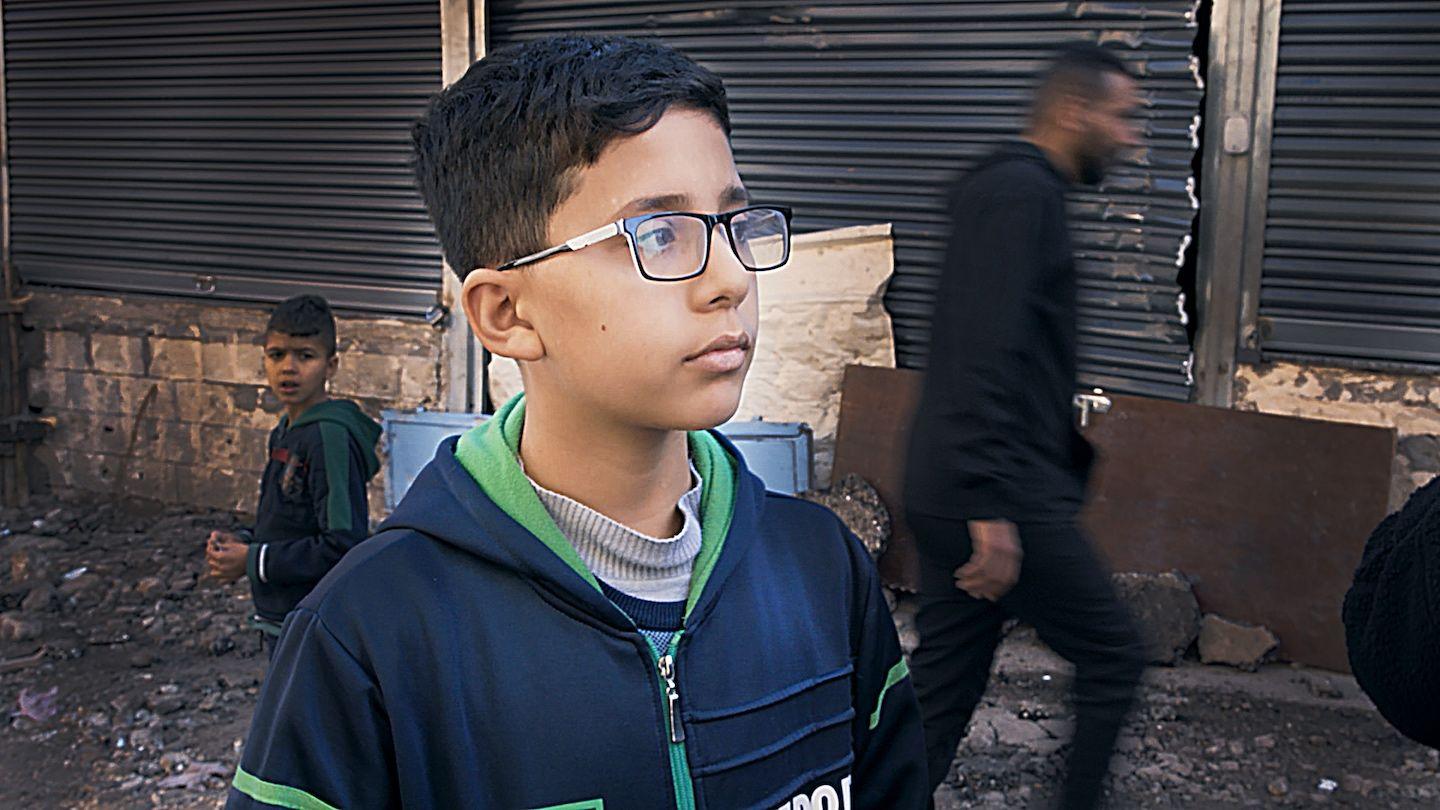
column 489, row 453
column 348, row 415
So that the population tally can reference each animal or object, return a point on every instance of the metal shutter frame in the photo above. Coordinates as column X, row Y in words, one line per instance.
column 1352, row 241
column 244, row 150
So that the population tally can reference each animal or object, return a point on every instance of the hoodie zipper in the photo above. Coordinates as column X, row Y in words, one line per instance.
column 666, row 665
column 675, row 731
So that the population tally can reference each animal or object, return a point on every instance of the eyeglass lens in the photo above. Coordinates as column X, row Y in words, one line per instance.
column 672, row 247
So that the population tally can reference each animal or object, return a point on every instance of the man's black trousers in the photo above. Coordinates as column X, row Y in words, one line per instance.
column 1065, row 593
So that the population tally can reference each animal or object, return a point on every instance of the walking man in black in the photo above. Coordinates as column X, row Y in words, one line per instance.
column 997, row 470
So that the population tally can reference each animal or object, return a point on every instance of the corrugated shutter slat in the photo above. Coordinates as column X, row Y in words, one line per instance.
column 1352, row 238
column 253, row 149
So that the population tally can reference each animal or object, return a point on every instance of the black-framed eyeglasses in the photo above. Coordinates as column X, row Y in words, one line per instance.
column 675, row 245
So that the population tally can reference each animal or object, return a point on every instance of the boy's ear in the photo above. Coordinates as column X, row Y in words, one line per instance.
column 490, row 299
column 331, row 364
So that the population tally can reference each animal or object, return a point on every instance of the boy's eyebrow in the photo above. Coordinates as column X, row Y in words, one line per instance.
column 734, row 195
column 645, row 205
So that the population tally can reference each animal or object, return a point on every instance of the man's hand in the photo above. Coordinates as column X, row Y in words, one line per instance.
column 994, row 563
column 225, row 553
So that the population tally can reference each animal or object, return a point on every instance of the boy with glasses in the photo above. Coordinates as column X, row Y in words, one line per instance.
column 588, row 601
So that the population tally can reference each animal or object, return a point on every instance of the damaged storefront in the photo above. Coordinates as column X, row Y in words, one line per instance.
column 174, row 168
column 1257, row 286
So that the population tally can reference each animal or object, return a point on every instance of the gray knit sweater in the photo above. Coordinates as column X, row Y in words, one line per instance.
column 649, row 568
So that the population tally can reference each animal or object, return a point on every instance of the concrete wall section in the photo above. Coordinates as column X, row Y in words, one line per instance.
column 166, row 399
column 819, row 314
column 1409, row 403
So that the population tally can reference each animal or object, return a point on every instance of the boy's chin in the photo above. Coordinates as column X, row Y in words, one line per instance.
column 706, row 409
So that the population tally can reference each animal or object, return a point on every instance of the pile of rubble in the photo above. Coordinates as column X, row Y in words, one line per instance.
column 1164, row 605
column 1165, row 609
column 125, row 671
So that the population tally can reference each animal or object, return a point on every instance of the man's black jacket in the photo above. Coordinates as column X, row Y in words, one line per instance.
column 994, row 435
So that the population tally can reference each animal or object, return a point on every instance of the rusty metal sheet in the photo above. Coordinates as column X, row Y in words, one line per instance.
column 875, row 409
column 1267, row 514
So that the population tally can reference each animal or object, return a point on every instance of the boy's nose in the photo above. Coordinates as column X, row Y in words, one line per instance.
column 725, row 278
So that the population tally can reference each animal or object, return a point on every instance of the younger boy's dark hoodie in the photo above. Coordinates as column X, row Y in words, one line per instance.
column 313, row 504
column 465, row 657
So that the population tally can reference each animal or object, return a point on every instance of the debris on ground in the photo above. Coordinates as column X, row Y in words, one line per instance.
column 1236, row 644
column 1200, row 737
column 198, row 776
column 134, row 674
column 38, row 705
column 1165, row 610
column 155, row 674
column 859, row 507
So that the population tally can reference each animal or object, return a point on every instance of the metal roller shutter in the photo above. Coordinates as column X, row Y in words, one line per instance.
column 238, row 149
column 1352, row 238
column 863, row 113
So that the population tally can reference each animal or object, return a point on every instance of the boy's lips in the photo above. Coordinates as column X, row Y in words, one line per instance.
column 722, row 355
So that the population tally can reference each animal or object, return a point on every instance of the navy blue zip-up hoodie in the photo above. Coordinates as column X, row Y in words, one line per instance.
column 462, row 659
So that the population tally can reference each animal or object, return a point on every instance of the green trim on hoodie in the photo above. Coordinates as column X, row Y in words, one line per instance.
column 490, row 459
column 335, row 440
column 339, row 421
column 276, row 795
column 489, row 453
column 252, row 564
column 348, row 415
column 717, row 506
column 897, row 673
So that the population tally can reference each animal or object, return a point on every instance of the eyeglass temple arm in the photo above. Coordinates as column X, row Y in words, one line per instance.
column 584, row 240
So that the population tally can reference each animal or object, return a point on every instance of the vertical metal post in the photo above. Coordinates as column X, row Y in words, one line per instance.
column 1240, row 107
column 482, row 379
column 464, row 364
column 16, row 485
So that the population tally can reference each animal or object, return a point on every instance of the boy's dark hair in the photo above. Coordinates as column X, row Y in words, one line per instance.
column 1079, row 69
column 498, row 151
column 304, row 316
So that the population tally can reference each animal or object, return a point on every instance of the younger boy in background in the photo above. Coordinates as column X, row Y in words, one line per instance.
column 313, row 505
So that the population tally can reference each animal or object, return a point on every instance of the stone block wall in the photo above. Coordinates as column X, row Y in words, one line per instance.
column 165, row 399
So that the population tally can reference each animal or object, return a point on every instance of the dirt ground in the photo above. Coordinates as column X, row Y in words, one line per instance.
column 155, row 673
column 154, row 666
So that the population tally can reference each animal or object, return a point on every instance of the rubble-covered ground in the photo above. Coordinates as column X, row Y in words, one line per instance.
column 154, row 674
column 153, row 666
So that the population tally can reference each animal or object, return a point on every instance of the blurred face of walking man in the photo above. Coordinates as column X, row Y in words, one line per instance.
column 1086, row 123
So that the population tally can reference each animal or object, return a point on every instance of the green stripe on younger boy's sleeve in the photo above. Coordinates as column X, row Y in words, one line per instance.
column 337, row 476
